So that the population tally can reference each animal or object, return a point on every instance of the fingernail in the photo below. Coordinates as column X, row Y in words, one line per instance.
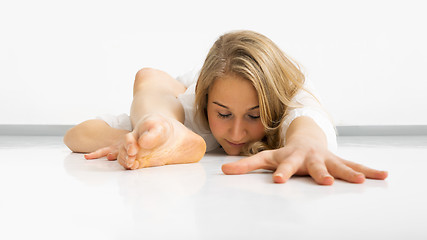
column 278, row 175
column 360, row 175
column 328, row 180
column 278, row 178
column 360, row 178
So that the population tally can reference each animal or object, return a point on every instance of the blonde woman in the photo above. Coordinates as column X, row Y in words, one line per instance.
column 249, row 99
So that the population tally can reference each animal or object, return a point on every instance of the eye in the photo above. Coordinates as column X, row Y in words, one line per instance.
column 253, row 117
column 223, row 115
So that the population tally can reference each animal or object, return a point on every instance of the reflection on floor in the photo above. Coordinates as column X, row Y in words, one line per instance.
column 48, row 192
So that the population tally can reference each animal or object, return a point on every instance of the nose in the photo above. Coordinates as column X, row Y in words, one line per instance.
column 237, row 131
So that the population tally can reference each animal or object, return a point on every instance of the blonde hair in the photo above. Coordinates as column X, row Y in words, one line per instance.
column 256, row 58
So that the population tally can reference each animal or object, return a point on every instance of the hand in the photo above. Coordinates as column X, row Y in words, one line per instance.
column 111, row 152
column 304, row 157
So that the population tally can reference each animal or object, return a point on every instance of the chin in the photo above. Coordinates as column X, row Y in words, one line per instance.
column 232, row 152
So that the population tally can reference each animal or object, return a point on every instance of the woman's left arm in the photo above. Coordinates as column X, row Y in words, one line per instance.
column 305, row 153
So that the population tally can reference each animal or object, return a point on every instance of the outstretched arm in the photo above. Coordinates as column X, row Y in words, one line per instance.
column 91, row 135
column 305, row 153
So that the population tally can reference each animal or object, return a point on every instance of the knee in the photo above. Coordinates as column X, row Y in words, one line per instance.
column 146, row 74
column 151, row 79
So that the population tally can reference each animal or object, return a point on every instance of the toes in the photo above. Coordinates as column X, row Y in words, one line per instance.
column 124, row 159
column 131, row 146
column 153, row 137
column 135, row 165
column 127, row 152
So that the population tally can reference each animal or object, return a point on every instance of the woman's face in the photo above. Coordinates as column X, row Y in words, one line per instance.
column 233, row 113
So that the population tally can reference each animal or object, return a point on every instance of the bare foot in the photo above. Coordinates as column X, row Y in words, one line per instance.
column 157, row 141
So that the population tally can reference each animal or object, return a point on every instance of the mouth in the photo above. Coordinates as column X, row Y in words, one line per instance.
column 235, row 144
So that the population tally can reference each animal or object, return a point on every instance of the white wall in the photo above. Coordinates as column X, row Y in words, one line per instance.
column 62, row 62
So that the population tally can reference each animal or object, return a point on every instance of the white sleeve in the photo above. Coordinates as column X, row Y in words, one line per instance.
column 189, row 77
column 311, row 108
column 121, row 121
column 187, row 100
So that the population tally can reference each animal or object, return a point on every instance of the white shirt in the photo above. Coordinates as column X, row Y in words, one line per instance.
column 310, row 108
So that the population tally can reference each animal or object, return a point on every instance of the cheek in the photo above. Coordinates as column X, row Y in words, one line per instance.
column 215, row 125
column 258, row 131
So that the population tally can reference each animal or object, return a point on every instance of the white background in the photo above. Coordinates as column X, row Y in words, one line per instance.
column 62, row 62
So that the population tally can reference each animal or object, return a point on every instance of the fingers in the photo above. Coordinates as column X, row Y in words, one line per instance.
column 112, row 155
column 285, row 171
column 318, row 171
column 102, row 152
column 340, row 170
column 245, row 165
column 368, row 172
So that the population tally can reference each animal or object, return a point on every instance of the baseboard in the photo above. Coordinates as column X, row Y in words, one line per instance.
column 33, row 130
column 60, row 130
column 374, row 130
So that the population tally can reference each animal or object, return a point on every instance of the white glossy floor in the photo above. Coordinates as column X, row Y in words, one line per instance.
column 48, row 192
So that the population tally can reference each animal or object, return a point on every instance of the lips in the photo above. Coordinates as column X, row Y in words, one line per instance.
column 235, row 144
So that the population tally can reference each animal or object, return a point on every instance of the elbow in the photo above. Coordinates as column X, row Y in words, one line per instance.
column 76, row 138
column 85, row 137
column 71, row 139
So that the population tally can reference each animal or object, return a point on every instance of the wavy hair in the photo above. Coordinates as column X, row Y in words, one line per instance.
column 275, row 77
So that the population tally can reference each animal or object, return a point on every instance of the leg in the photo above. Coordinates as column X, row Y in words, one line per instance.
column 159, row 136
column 157, row 139
column 155, row 91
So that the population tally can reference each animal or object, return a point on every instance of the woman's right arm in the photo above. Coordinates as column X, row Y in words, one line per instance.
column 92, row 135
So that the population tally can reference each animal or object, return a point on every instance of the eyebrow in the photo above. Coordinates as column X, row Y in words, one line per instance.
column 221, row 105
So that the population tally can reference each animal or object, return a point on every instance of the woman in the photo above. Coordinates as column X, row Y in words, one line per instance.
column 250, row 99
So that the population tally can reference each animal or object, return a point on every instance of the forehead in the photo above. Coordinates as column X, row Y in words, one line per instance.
column 233, row 89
